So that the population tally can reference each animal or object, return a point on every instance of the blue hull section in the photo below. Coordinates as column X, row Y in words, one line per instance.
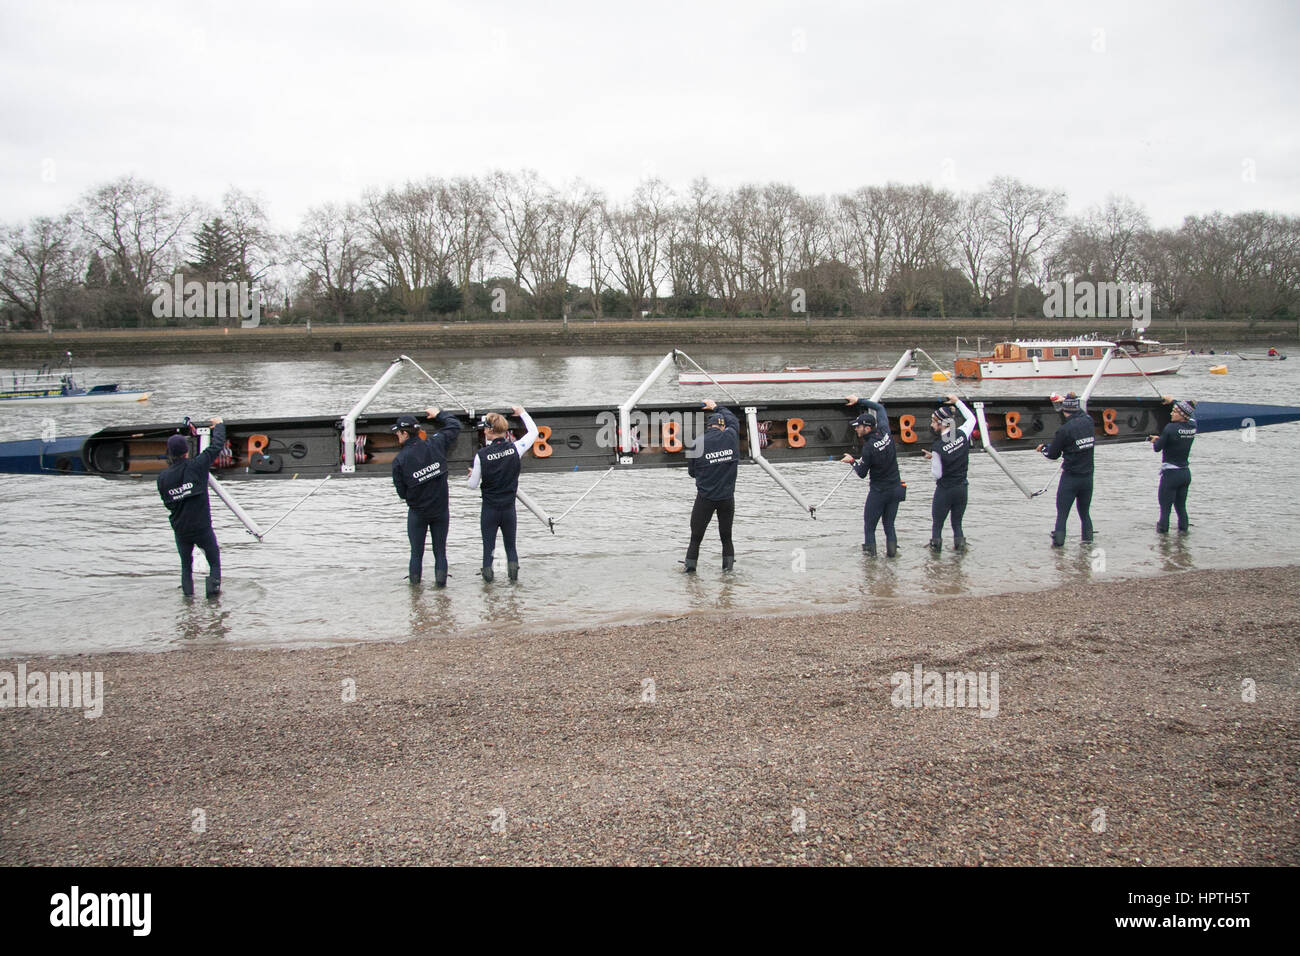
column 1229, row 416
column 37, row 457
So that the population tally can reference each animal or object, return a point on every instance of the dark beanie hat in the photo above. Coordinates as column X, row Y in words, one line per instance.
column 177, row 446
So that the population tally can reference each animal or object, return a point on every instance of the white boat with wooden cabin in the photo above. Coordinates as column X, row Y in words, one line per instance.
column 1070, row 358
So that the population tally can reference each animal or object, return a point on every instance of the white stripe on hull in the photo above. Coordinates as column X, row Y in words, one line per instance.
column 813, row 375
column 69, row 399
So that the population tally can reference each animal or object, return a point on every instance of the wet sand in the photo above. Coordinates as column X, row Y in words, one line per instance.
column 1121, row 737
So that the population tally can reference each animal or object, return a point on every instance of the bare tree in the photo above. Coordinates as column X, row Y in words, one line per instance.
column 1023, row 218
column 254, row 242
column 36, row 260
column 411, row 240
column 638, row 239
column 561, row 224
column 922, row 219
column 138, row 227
column 517, row 202
column 973, row 244
column 864, row 228
column 468, row 211
column 331, row 246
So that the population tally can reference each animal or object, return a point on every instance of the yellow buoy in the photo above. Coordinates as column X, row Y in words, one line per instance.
column 1218, row 370
column 939, row 377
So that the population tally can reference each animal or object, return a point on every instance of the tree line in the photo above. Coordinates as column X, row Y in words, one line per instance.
column 511, row 242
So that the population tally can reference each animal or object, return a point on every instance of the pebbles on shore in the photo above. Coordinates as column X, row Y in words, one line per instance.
column 1123, row 735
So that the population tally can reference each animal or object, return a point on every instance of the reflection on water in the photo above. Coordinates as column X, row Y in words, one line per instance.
column 88, row 564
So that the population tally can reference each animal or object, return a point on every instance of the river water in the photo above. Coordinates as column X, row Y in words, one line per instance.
column 89, row 565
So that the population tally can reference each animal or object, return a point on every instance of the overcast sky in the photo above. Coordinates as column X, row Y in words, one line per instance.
column 1187, row 107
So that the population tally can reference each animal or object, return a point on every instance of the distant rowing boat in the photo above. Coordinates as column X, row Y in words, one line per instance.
column 1272, row 355
column 793, row 373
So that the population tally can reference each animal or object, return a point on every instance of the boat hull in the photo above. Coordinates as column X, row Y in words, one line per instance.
column 1167, row 363
column 99, row 397
column 586, row 438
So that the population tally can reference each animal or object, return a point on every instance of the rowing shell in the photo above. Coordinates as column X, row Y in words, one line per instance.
column 795, row 374
column 585, row 438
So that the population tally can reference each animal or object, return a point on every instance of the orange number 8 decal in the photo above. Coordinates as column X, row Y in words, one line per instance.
column 672, row 436
column 794, row 433
column 1108, row 416
column 905, row 424
column 541, row 448
column 1013, row 425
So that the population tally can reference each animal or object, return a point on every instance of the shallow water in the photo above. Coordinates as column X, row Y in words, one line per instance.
column 88, row 564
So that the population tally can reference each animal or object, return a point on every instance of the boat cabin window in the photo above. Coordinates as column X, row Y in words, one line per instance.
column 1087, row 352
column 1060, row 353
column 1034, row 353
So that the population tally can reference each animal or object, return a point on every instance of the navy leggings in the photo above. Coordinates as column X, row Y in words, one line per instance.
column 207, row 543
column 490, row 519
column 1073, row 491
column 882, row 503
column 1174, row 483
column 418, row 527
column 701, row 514
column 948, row 502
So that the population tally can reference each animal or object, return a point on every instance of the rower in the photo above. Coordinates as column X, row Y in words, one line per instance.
column 713, row 460
column 879, row 460
column 183, row 487
column 420, row 477
column 1074, row 440
column 496, row 466
column 949, row 458
column 1175, row 444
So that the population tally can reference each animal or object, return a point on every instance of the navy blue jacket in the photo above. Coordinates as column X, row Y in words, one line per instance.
column 954, row 455
column 183, row 487
column 1176, row 442
column 879, row 457
column 714, row 467
column 499, row 466
column 1074, row 440
column 420, row 468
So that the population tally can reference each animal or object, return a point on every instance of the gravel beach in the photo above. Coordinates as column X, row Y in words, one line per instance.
column 1148, row 721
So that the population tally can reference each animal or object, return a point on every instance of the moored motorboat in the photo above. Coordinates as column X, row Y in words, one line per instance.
column 1070, row 358
column 47, row 387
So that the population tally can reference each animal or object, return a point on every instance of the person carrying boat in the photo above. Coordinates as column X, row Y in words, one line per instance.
column 183, row 487
column 713, row 460
column 1074, row 440
column 1174, row 443
column 420, row 477
column 949, row 458
column 879, row 461
column 496, row 468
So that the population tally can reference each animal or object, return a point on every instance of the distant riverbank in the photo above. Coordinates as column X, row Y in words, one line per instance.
column 17, row 348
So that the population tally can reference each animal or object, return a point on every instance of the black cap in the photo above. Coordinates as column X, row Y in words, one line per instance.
column 178, row 446
column 866, row 419
column 407, row 423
